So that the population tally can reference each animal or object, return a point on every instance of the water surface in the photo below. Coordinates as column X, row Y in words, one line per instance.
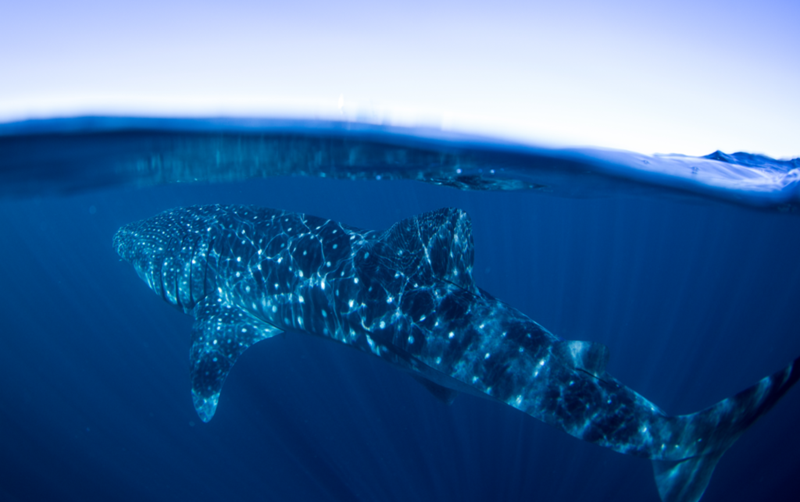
column 690, row 278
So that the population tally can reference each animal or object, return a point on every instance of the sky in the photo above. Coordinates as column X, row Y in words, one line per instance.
column 681, row 76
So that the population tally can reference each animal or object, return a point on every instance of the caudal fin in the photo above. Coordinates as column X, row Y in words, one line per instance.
column 705, row 436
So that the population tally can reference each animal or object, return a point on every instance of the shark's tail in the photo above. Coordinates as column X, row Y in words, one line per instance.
column 703, row 437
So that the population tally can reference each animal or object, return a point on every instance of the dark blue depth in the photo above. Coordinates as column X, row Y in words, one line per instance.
column 695, row 301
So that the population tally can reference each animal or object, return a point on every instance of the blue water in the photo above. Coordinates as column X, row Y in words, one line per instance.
column 693, row 286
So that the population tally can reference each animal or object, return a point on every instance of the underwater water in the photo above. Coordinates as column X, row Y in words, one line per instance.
column 685, row 268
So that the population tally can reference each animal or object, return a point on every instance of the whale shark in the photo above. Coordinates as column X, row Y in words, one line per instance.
column 406, row 295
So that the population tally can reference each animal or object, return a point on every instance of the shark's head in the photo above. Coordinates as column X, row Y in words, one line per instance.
column 168, row 252
column 134, row 244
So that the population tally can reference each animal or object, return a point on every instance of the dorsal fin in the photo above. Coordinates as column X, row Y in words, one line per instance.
column 444, row 237
column 221, row 333
column 443, row 394
column 590, row 357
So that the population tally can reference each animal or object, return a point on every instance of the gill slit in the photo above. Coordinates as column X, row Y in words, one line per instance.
column 177, row 281
column 161, row 273
column 192, row 263
column 205, row 268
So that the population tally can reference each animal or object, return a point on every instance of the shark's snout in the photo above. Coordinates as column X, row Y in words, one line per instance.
column 126, row 242
column 117, row 242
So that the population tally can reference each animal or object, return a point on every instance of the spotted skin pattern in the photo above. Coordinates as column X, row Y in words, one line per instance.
column 406, row 295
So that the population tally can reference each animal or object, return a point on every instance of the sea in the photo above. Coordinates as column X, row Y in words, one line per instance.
column 686, row 268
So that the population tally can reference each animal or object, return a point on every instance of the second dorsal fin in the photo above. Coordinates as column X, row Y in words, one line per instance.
column 590, row 357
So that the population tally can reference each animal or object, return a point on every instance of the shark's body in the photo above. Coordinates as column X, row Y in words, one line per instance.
column 406, row 295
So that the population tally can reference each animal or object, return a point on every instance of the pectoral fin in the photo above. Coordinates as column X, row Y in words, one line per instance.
column 221, row 333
